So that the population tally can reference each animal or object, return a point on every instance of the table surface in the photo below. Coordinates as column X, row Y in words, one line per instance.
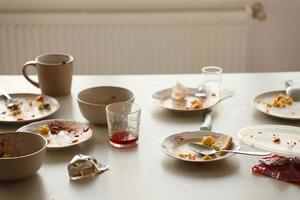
column 145, row 172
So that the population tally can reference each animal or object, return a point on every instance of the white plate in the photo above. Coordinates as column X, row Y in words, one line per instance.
column 289, row 112
column 79, row 133
column 163, row 99
column 177, row 144
column 263, row 137
column 29, row 111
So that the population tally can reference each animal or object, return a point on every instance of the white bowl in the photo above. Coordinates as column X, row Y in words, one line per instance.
column 93, row 101
column 21, row 154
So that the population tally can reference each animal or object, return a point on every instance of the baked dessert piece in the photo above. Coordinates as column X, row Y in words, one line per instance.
column 222, row 142
column 208, row 140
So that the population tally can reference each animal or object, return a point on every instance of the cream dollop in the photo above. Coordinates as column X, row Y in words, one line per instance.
column 179, row 92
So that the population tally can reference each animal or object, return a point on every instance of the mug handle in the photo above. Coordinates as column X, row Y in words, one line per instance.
column 27, row 64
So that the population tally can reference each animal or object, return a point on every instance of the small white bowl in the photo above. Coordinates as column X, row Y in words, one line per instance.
column 93, row 101
column 21, row 154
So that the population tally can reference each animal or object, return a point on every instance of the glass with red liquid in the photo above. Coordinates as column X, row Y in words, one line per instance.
column 123, row 120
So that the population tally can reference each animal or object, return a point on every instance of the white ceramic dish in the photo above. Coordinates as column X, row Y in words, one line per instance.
column 289, row 112
column 163, row 99
column 93, row 101
column 74, row 133
column 29, row 108
column 176, row 144
column 274, row 138
column 21, row 154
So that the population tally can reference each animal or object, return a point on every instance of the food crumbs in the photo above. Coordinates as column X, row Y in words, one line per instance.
column 207, row 157
column 86, row 129
column 40, row 98
column 276, row 140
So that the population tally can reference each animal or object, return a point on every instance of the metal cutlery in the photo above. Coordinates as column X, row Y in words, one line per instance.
column 10, row 102
column 204, row 150
column 207, row 123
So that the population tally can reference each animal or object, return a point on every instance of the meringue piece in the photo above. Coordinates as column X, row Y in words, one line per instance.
column 179, row 92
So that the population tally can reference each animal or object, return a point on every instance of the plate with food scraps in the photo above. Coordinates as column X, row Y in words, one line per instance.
column 60, row 133
column 29, row 107
column 176, row 146
column 279, row 139
column 186, row 100
column 277, row 104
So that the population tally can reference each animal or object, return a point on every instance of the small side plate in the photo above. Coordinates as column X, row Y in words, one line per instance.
column 78, row 133
column 289, row 112
column 163, row 99
column 29, row 108
column 176, row 144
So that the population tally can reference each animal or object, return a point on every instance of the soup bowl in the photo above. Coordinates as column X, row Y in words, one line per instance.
column 93, row 101
column 21, row 154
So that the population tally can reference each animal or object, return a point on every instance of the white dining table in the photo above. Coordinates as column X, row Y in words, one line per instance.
column 145, row 172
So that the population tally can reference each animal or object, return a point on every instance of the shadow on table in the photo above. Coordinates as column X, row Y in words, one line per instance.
column 20, row 190
column 201, row 170
column 265, row 119
column 180, row 117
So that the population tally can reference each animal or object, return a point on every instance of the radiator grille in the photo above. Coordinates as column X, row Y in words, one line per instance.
column 122, row 43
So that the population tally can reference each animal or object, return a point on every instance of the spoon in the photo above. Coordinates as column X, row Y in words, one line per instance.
column 292, row 90
column 10, row 102
column 201, row 93
column 204, row 150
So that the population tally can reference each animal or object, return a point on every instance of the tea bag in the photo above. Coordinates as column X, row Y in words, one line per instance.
column 82, row 166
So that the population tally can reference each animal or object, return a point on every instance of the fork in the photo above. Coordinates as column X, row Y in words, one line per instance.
column 10, row 102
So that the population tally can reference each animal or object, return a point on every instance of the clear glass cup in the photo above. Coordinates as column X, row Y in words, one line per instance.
column 123, row 120
column 212, row 78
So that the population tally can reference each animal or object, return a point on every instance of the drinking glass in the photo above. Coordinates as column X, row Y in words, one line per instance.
column 123, row 120
column 212, row 78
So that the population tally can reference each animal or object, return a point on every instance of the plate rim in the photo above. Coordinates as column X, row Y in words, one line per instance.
column 65, row 120
column 35, row 119
column 179, row 110
column 269, row 114
column 228, row 155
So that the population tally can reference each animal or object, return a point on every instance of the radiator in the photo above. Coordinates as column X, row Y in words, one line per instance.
column 129, row 43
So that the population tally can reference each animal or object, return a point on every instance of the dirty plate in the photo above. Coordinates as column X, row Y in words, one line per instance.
column 176, row 146
column 163, row 99
column 32, row 107
column 289, row 112
column 274, row 138
column 60, row 133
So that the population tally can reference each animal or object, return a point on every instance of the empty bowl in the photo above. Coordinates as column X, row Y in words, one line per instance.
column 93, row 101
column 21, row 154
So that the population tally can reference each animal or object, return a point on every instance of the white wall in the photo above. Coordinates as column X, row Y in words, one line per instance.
column 276, row 44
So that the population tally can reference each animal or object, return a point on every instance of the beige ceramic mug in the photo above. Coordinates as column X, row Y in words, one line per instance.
column 54, row 73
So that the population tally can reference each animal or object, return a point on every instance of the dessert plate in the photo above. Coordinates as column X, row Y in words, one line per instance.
column 288, row 112
column 60, row 133
column 176, row 146
column 163, row 99
column 31, row 107
column 275, row 138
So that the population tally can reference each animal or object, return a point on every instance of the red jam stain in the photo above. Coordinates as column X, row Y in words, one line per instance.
column 124, row 137
column 280, row 168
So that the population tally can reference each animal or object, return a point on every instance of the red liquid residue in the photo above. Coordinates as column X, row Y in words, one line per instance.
column 124, row 137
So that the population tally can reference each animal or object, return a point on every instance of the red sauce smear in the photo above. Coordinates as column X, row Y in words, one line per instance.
column 124, row 137
column 279, row 167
